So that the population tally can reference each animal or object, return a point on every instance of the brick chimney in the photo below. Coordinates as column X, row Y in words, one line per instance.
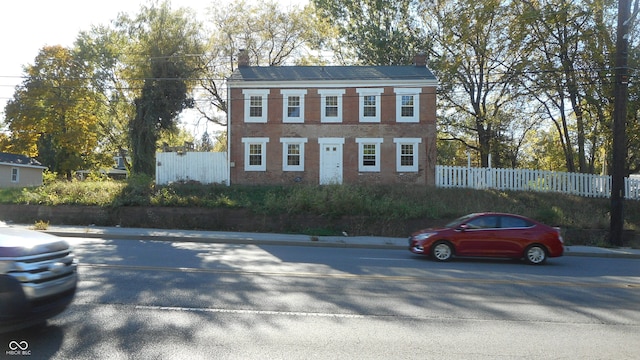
column 420, row 60
column 243, row 58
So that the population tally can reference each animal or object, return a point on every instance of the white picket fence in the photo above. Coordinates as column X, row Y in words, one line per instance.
column 532, row 180
column 203, row 167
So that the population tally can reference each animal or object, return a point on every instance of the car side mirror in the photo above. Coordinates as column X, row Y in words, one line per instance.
column 462, row 227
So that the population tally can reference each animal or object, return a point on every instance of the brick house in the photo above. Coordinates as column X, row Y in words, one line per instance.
column 332, row 124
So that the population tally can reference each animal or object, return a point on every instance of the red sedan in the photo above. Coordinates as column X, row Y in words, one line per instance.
column 490, row 235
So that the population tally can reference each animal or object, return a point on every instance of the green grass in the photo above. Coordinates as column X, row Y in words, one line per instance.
column 384, row 202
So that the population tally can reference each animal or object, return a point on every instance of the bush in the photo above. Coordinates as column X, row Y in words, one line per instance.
column 137, row 192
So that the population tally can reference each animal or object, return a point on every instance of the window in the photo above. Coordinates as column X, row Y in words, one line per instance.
column 406, row 109
column 255, row 105
column 369, row 154
column 293, row 154
column 255, row 150
column 483, row 222
column 514, row 222
column 331, row 105
column 15, row 175
column 407, row 104
column 293, row 105
column 407, row 154
column 369, row 104
column 293, row 108
column 255, row 154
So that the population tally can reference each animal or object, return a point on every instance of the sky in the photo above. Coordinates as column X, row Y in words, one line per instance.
column 28, row 25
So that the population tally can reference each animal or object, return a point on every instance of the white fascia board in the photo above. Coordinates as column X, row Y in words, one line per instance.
column 23, row 165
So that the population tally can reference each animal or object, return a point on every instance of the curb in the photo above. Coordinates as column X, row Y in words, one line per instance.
column 296, row 240
column 301, row 241
column 617, row 254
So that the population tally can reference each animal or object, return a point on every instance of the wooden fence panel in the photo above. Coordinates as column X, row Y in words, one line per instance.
column 203, row 167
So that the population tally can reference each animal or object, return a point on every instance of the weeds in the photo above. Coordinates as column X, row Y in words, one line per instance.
column 41, row 225
column 382, row 203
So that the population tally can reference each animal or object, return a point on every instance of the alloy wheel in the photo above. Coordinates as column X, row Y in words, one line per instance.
column 535, row 255
column 442, row 251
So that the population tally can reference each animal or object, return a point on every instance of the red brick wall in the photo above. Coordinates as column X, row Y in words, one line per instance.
column 349, row 129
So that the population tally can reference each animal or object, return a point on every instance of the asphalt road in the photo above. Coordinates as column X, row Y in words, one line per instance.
column 181, row 300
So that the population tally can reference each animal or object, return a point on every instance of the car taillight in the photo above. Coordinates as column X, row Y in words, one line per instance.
column 559, row 234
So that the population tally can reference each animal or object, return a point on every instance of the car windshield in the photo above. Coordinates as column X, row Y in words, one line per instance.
column 460, row 220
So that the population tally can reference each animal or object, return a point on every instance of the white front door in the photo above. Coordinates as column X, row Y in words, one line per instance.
column 331, row 161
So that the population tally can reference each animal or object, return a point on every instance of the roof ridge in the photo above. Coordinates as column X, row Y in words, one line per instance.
column 333, row 72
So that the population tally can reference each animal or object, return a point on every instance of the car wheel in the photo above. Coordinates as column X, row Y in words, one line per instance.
column 535, row 254
column 442, row 251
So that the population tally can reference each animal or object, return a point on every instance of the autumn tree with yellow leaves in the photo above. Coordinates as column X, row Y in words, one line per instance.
column 53, row 114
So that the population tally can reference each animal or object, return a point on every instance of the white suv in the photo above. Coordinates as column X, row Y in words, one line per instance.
column 38, row 277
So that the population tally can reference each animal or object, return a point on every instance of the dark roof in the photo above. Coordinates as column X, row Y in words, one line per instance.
column 18, row 159
column 328, row 73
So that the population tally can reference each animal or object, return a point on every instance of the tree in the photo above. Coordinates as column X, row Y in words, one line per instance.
column 477, row 63
column 205, row 144
column 175, row 138
column 162, row 67
column 53, row 114
column 377, row 32
column 103, row 48
column 270, row 35
column 633, row 121
column 570, row 41
column 220, row 144
column 542, row 151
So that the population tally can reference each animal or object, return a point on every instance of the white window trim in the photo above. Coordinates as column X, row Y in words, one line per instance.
column 290, row 141
column 407, row 141
column 377, row 92
column 368, row 141
column 285, row 105
column 323, row 105
column 416, row 104
column 16, row 172
column 248, row 93
column 262, row 141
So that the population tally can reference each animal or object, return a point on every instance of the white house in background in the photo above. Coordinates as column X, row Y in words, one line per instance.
column 20, row 170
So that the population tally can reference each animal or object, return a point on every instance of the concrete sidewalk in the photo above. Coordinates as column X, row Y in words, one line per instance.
column 225, row 237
